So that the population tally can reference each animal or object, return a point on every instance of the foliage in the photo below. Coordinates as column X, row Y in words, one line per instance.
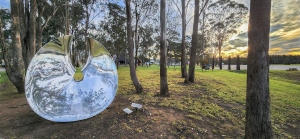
column 146, row 41
column 114, row 28
column 5, row 17
column 224, row 17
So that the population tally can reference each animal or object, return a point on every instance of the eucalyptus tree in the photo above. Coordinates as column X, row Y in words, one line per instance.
column 90, row 10
column 164, row 89
column 143, row 13
column 46, row 10
column 225, row 17
column 203, row 43
column 172, row 29
column 114, row 28
column 147, row 39
column 5, row 31
column 28, row 29
column 15, row 70
column 191, row 75
column 182, row 11
column 258, row 117
column 136, row 83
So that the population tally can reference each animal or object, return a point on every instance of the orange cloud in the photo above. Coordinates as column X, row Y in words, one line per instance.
column 293, row 51
column 275, row 50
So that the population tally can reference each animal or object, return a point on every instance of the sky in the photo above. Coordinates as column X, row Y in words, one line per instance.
column 284, row 32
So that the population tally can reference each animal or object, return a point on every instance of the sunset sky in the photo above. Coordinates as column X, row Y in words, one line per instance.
column 284, row 33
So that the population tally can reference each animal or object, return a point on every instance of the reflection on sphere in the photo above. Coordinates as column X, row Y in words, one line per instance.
column 52, row 92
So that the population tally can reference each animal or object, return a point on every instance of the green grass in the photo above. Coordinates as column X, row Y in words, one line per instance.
column 78, row 76
column 224, row 86
column 3, row 77
column 7, row 90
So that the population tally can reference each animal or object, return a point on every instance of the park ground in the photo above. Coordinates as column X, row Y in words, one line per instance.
column 212, row 107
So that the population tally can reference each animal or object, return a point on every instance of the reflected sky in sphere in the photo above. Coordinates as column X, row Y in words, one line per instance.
column 52, row 92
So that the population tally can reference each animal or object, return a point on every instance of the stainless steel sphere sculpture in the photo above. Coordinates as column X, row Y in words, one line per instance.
column 55, row 95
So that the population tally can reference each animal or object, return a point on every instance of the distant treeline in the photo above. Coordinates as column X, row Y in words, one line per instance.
column 273, row 59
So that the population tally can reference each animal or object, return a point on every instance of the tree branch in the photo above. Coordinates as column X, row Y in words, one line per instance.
column 204, row 6
column 177, row 7
column 49, row 17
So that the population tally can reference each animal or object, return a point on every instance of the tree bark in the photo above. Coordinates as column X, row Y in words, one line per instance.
column 39, row 38
column 16, row 71
column 27, row 22
column 24, row 29
column 258, row 118
column 136, row 38
column 32, row 33
column 39, row 29
column 67, row 31
column 136, row 83
column 220, row 62
column 213, row 63
column 191, row 76
column 229, row 63
column 238, row 67
column 183, row 51
column 164, row 89
column 220, row 57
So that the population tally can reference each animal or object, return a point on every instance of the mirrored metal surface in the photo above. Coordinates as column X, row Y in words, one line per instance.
column 52, row 92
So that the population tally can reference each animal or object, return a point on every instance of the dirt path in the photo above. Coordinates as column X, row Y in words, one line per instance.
column 19, row 121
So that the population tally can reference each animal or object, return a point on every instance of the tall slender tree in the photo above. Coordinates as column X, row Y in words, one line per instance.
column 15, row 71
column 67, row 24
column 164, row 89
column 183, row 51
column 258, row 118
column 191, row 76
column 28, row 29
column 43, row 18
column 136, row 83
column 143, row 11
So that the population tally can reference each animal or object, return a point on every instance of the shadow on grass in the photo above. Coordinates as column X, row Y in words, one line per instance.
column 239, row 71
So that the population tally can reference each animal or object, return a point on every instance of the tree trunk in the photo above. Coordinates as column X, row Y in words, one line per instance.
column 16, row 71
column 39, row 36
column 39, row 30
column 183, row 52
column 164, row 89
column 136, row 83
column 191, row 76
column 24, row 29
column 229, row 63
column 32, row 33
column 23, row 23
column 67, row 29
column 136, row 47
column 87, row 14
column 136, row 37
column 116, row 61
column 213, row 63
column 238, row 63
column 220, row 62
column 258, row 118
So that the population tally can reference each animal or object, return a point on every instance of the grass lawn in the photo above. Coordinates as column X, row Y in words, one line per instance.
column 212, row 107
column 220, row 95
